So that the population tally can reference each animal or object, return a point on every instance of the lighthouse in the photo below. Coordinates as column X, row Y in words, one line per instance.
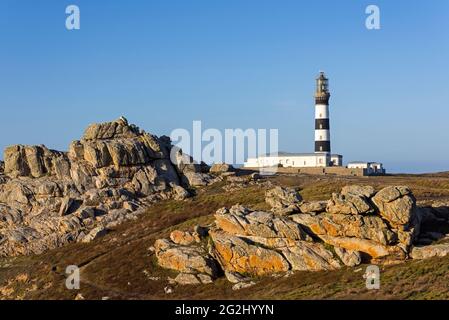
column 322, row 128
column 322, row 161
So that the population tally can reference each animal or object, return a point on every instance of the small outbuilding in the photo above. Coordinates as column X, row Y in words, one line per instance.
column 371, row 167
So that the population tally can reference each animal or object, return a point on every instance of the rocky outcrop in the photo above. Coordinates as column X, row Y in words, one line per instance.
column 396, row 205
column 241, row 221
column 184, row 238
column 192, row 173
column 357, row 190
column 283, row 200
column 219, row 168
column 36, row 162
column 246, row 242
column 372, row 248
column 309, row 256
column 343, row 225
column 360, row 225
column 349, row 258
column 237, row 255
column 313, row 207
column 49, row 198
column 351, row 201
column 186, row 259
column 436, row 250
column 238, row 182
column 259, row 256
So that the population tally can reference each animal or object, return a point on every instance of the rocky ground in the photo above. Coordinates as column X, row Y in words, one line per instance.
column 140, row 226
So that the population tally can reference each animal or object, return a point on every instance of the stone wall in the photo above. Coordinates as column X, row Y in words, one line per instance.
column 342, row 171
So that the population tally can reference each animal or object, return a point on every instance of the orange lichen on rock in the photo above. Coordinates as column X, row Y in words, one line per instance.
column 239, row 256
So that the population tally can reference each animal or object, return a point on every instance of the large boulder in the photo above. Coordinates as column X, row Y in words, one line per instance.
column 192, row 173
column 350, row 258
column 35, row 235
column 313, row 207
column 343, row 225
column 186, row 259
column 111, row 130
column 237, row 255
column 363, row 191
column 118, row 144
column 195, row 179
column 183, row 237
column 218, row 168
column 307, row 256
column 244, row 222
column 397, row 205
column 436, row 250
column 373, row 249
column 302, row 255
column 35, row 161
column 349, row 203
column 283, row 200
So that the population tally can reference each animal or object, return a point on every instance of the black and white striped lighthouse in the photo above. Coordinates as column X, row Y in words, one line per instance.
column 322, row 128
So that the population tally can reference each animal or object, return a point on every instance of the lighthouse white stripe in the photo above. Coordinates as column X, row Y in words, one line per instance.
column 322, row 135
column 321, row 111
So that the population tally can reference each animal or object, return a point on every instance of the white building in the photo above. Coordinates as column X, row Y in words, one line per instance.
column 295, row 160
column 371, row 167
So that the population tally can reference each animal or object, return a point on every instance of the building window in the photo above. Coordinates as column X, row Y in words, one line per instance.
column 321, row 137
column 304, row 163
column 321, row 115
column 321, row 126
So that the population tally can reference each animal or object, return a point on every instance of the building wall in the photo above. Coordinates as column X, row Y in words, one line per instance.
column 337, row 160
column 358, row 165
column 369, row 167
column 318, row 160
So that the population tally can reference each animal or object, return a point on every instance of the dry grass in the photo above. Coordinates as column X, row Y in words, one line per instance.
column 120, row 265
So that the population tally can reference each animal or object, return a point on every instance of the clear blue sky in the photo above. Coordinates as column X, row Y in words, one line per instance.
column 232, row 64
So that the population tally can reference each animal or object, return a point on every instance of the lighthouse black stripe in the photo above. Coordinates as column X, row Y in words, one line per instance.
column 322, row 146
column 322, row 100
column 322, row 124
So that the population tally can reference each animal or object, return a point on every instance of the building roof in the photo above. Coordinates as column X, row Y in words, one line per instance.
column 322, row 76
column 290, row 154
column 364, row 162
